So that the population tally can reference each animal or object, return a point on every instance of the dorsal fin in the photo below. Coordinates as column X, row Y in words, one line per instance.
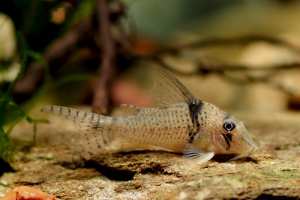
column 168, row 89
column 130, row 109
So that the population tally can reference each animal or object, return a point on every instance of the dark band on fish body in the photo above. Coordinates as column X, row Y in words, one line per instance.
column 195, row 108
column 192, row 136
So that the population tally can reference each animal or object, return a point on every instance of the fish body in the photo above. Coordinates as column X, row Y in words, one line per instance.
column 180, row 123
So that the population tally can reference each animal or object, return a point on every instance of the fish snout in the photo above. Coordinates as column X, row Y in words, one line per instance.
column 254, row 147
column 250, row 147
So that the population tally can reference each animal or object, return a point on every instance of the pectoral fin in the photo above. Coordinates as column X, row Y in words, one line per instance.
column 195, row 155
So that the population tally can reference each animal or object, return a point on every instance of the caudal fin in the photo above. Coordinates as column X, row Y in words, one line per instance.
column 95, row 129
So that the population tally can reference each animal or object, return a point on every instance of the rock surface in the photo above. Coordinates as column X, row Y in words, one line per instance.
column 272, row 172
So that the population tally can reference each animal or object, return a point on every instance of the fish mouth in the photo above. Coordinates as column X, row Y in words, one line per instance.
column 253, row 149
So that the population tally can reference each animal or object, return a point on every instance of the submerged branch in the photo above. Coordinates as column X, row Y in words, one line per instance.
column 31, row 80
column 106, row 69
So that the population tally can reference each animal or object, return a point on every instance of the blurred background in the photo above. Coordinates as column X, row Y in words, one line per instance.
column 238, row 55
column 235, row 54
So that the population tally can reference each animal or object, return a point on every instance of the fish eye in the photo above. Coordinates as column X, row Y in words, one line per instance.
column 229, row 126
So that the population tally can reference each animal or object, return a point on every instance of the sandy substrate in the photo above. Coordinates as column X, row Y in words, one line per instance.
column 272, row 172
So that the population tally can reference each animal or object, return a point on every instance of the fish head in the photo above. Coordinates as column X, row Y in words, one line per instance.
column 231, row 137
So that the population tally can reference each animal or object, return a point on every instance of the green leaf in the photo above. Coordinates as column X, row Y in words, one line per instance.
column 22, row 69
column 12, row 112
column 40, row 58
column 6, row 150
column 36, row 121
